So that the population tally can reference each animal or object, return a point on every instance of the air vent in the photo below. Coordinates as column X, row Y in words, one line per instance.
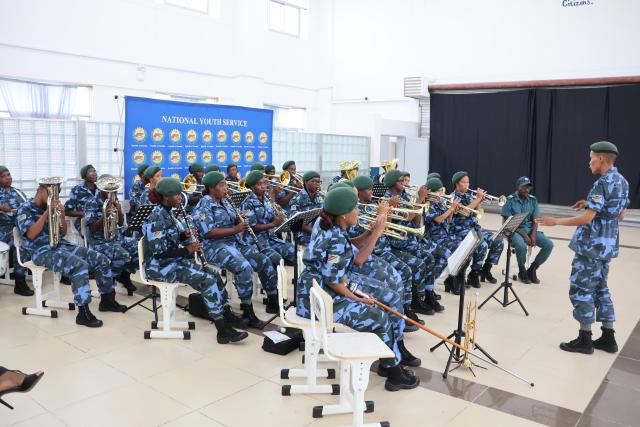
column 416, row 87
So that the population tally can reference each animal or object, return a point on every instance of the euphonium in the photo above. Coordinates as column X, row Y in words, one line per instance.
column 55, row 217
column 350, row 168
column 110, row 185
column 190, row 184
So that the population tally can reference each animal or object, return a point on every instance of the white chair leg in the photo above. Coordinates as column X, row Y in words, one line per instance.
column 39, row 309
column 168, row 303
column 310, row 372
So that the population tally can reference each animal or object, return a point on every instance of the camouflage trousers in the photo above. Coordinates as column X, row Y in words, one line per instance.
column 441, row 252
column 488, row 251
column 381, row 269
column 6, row 236
column 122, row 251
column 76, row 262
column 263, row 262
column 589, row 292
column 417, row 257
column 406, row 274
column 282, row 247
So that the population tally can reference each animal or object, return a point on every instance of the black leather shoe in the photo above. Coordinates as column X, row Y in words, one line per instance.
column 86, row 318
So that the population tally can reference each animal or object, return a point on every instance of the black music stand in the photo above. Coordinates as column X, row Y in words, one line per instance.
column 238, row 198
column 457, row 262
column 379, row 190
column 505, row 232
column 139, row 218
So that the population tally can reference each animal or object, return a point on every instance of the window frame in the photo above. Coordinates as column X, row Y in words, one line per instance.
column 299, row 9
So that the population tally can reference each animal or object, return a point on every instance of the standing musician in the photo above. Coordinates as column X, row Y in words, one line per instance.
column 595, row 243
column 263, row 215
column 152, row 174
column 66, row 259
column 211, row 168
column 462, row 224
column 329, row 259
column 527, row 233
column 121, row 250
column 136, row 190
column 221, row 228
column 197, row 170
column 310, row 197
column 169, row 252
column 284, row 196
column 81, row 194
column 10, row 199
column 232, row 173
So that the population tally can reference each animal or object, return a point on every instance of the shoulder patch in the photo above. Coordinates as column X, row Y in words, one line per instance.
column 158, row 234
column 22, row 217
column 334, row 259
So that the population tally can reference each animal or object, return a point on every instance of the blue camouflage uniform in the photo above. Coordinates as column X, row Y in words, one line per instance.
column 595, row 244
column 515, row 205
column 232, row 252
column 66, row 259
column 135, row 192
column 329, row 260
column 9, row 196
column 258, row 211
column 303, row 202
column 163, row 240
column 78, row 198
column 142, row 198
column 439, row 236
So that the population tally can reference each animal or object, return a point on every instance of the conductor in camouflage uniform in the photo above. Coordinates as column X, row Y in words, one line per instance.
column 595, row 243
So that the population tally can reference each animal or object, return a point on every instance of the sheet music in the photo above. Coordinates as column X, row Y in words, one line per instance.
column 458, row 258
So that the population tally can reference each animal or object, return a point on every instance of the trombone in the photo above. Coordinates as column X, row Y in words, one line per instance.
column 500, row 200
column 284, row 179
column 238, row 187
column 393, row 230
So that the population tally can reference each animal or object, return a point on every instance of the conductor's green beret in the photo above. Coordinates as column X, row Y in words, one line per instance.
column 604, row 147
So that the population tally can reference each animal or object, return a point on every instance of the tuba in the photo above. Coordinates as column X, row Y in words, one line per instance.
column 54, row 216
column 110, row 185
column 388, row 165
column 350, row 168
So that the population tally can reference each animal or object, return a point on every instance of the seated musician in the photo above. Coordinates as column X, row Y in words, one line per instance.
column 211, row 168
column 197, row 170
column 153, row 175
column 81, row 194
column 66, row 259
column 137, row 189
column 169, row 258
column 310, row 197
column 257, row 167
column 527, row 234
column 329, row 259
column 221, row 231
column 284, row 196
column 232, row 173
column 10, row 200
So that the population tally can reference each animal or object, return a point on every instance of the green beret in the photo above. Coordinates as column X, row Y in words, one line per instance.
column 212, row 179
column 257, row 167
column 340, row 201
column 458, row 176
column 212, row 168
column 270, row 168
column 150, row 171
column 308, row 176
column 142, row 168
column 84, row 170
column 404, row 173
column 196, row 167
column 434, row 184
column 362, row 182
column 391, row 177
column 336, row 185
column 604, row 147
column 286, row 164
column 253, row 178
column 3, row 169
column 169, row 187
column 434, row 175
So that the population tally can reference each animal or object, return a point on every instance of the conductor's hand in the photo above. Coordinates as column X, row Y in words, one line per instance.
column 580, row 204
column 549, row 221
column 242, row 226
column 193, row 247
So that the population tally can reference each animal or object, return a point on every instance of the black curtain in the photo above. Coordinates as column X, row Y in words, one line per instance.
column 541, row 133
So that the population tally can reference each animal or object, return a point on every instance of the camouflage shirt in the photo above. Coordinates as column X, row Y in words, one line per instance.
column 460, row 224
column 258, row 211
column 9, row 196
column 437, row 232
column 210, row 214
column 162, row 232
column 28, row 214
column 303, row 202
column 136, row 190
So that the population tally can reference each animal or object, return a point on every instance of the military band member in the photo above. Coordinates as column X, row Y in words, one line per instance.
column 152, row 174
column 211, row 168
column 169, row 258
column 232, row 173
column 81, row 194
column 136, row 190
column 595, row 243
column 197, row 170
column 527, row 233
column 257, row 167
column 284, row 196
column 309, row 198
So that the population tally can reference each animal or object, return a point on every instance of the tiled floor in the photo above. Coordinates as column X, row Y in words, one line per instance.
column 111, row 376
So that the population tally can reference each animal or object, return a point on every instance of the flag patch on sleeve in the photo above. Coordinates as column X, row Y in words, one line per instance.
column 597, row 198
column 333, row 259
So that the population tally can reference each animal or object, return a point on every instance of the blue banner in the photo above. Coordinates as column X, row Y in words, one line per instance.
column 174, row 135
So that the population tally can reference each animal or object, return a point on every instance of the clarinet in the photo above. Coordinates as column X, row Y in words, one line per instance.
column 199, row 254
column 242, row 218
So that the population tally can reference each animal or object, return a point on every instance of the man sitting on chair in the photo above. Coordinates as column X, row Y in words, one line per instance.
column 527, row 235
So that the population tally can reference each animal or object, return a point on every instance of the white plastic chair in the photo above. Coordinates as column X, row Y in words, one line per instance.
column 168, row 293
column 73, row 235
column 312, row 349
column 52, row 298
column 355, row 351
column 5, row 270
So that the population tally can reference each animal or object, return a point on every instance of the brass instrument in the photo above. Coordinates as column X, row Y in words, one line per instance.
column 401, row 214
column 388, row 165
column 238, row 187
column 393, row 230
column 190, row 183
column 110, row 185
column 471, row 332
column 502, row 200
column 284, row 180
column 55, row 217
column 350, row 168
column 462, row 209
column 419, row 208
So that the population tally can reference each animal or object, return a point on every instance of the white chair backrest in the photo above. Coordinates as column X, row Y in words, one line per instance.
column 84, row 231
column 17, row 242
column 283, row 282
column 143, row 273
column 322, row 310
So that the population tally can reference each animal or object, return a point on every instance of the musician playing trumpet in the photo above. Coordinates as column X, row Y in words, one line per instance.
column 284, row 196
column 197, row 171
column 310, row 197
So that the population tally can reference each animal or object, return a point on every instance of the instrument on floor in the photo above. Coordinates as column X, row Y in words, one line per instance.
column 350, row 168
column 471, row 331
column 54, row 216
column 501, row 200
column 110, row 185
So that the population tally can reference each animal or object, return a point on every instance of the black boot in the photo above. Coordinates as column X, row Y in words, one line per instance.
column 418, row 305
column 233, row 319
column 227, row 334
column 250, row 317
column 21, row 287
column 108, row 303
column 408, row 359
column 457, row 284
column 531, row 272
column 86, row 318
column 398, row 380
column 272, row 304
column 582, row 344
column 485, row 274
column 523, row 275
column 431, row 300
column 607, row 341
column 125, row 279
column 448, row 284
column 412, row 314
column 473, row 279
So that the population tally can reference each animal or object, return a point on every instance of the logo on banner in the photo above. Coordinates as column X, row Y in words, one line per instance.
column 262, row 156
column 175, row 176
column 175, row 135
column 248, row 137
column 138, row 157
column 207, row 136
column 222, row 136
column 263, row 138
column 156, row 157
column 192, row 135
column 139, row 134
column 191, row 157
column 174, row 157
column 206, row 156
column 248, row 156
column 235, row 156
column 157, row 135
column 221, row 157
column 235, row 136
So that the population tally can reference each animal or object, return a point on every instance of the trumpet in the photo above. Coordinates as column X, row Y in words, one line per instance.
column 500, row 200
column 401, row 214
column 393, row 230
column 463, row 210
column 54, row 216
column 471, row 332
column 416, row 208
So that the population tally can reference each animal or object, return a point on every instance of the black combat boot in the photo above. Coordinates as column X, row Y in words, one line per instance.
column 448, row 284
column 485, row 274
column 398, row 380
column 531, row 272
column 125, row 279
column 607, row 341
column 21, row 287
column 272, row 304
column 86, row 318
column 108, row 303
column 431, row 300
column 458, row 283
column 250, row 317
column 233, row 319
column 418, row 305
column 523, row 275
column 408, row 359
column 473, row 279
column 412, row 314
column 227, row 334
column 582, row 344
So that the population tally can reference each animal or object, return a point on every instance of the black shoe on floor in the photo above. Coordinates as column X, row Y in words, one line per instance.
column 485, row 274
column 397, row 380
column 418, row 305
column 21, row 287
column 407, row 359
column 227, row 334
column 272, row 304
column 473, row 279
column 411, row 314
column 86, row 318
column 250, row 316
column 125, row 279
column 431, row 300
column 582, row 344
column 523, row 276
column 607, row 342
column 108, row 303
column 233, row 319
column 531, row 272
